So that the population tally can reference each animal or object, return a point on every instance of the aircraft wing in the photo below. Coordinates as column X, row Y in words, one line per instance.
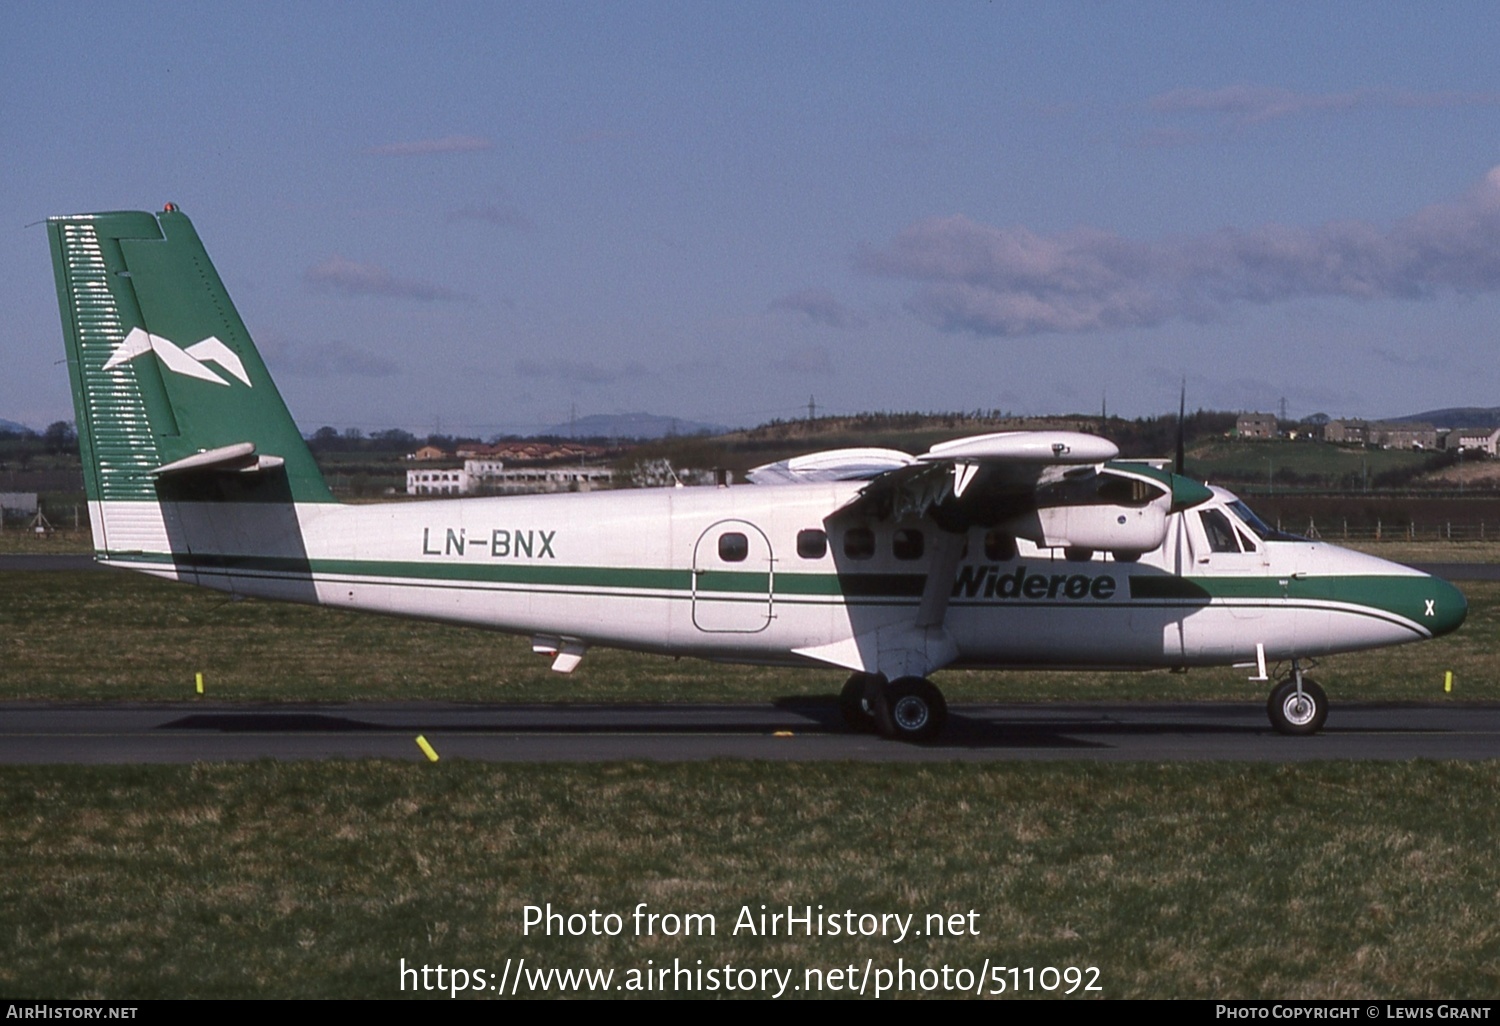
column 1056, row 488
column 980, row 479
column 831, row 465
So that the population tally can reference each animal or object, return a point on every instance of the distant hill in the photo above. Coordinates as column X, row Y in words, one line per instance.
column 631, row 425
column 10, row 426
column 1458, row 416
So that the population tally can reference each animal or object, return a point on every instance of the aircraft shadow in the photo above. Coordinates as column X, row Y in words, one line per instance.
column 964, row 730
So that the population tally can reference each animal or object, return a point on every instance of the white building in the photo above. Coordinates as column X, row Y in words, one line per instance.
column 447, row 481
column 489, row 477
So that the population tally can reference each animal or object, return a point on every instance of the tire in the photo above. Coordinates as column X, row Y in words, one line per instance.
column 913, row 710
column 1289, row 715
column 854, row 703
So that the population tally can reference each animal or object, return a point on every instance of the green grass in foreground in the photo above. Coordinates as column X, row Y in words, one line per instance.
column 1202, row 880
column 89, row 635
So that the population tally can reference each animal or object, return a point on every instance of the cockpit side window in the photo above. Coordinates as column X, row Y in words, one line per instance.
column 1220, row 533
column 1264, row 531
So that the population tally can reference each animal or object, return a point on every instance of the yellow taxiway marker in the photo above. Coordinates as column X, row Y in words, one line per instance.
column 200, row 683
column 1448, row 681
column 782, row 733
column 427, row 749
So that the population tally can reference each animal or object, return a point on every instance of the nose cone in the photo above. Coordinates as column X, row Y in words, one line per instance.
column 1444, row 607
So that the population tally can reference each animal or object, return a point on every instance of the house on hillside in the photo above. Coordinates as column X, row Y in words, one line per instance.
column 1256, row 425
column 1486, row 440
column 1404, row 436
column 1347, row 432
column 1386, row 434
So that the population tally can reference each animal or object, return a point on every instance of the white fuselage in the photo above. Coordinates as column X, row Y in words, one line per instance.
column 738, row 574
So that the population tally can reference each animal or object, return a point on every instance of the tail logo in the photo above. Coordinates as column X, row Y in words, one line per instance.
column 192, row 361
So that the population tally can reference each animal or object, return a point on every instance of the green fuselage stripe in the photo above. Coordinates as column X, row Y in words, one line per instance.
column 1401, row 596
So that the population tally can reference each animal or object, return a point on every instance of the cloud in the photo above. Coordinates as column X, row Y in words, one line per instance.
column 1168, row 138
column 1416, row 360
column 1241, row 105
column 820, row 306
column 337, row 274
column 579, row 371
column 805, row 361
column 504, row 216
column 423, row 147
column 328, row 359
column 1010, row 282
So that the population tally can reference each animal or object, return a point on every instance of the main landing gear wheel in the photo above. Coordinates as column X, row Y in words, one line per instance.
column 855, row 702
column 913, row 710
column 1293, row 713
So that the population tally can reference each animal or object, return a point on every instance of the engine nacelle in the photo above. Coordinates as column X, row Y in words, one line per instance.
column 1104, row 528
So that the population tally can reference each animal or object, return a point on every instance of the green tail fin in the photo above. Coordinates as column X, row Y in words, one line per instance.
column 173, row 403
column 191, row 458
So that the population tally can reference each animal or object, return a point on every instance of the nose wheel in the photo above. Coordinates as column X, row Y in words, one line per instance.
column 1297, row 706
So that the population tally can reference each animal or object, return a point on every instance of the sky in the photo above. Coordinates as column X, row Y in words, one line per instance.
column 485, row 218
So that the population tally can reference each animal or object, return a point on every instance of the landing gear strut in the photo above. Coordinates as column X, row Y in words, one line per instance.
column 1297, row 704
column 906, row 709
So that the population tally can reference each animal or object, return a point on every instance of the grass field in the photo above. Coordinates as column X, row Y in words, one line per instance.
column 1351, row 880
column 1254, row 460
column 87, row 636
column 302, row 880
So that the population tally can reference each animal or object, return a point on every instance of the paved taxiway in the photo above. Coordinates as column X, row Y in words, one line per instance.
column 793, row 730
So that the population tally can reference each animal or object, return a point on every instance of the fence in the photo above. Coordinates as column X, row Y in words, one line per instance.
column 1444, row 530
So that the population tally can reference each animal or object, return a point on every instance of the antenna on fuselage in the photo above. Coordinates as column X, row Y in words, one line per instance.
column 1177, row 464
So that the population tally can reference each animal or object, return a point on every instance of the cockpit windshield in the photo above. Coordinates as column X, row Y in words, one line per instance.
column 1265, row 531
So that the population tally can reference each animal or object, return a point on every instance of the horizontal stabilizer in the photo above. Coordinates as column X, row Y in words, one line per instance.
column 240, row 457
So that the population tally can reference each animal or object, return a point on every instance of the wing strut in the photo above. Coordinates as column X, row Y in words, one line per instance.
column 947, row 551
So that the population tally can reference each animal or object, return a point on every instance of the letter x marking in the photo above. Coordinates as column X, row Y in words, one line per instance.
column 1431, row 607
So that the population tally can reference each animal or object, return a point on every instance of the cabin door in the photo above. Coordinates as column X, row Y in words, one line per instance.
column 732, row 570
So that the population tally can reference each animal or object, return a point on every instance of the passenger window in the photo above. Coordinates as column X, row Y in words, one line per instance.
column 812, row 544
column 859, row 543
column 999, row 547
column 1220, row 534
column 907, row 543
column 733, row 547
column 1245, row 542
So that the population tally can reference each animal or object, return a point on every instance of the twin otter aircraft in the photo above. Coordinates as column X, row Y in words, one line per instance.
column 1023, row 549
